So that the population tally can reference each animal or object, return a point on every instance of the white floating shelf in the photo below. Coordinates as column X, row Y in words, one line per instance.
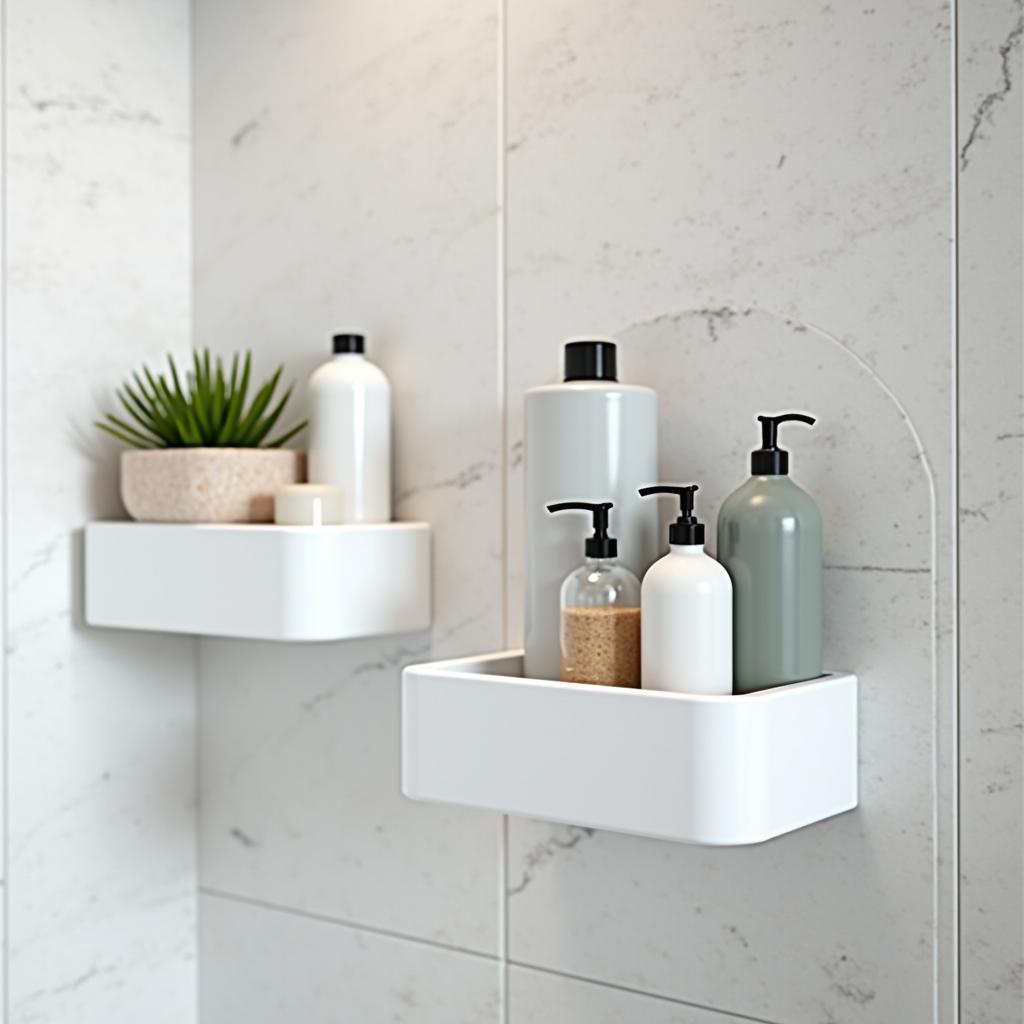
column 721, row 771
column 260, row 582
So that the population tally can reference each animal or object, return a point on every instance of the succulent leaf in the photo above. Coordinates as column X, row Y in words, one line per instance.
column 206, row 406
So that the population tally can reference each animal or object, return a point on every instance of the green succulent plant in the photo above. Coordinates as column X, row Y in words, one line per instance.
column 209, row 411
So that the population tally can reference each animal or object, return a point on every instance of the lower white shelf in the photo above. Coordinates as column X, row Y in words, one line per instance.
column 720, row 771
column 259, row 581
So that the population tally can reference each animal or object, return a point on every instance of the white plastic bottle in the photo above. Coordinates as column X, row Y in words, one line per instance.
column 350, row 431
column 686, row 611
column 595, row 440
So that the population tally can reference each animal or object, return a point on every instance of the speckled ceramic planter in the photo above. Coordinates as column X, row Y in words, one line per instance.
column 207, row 485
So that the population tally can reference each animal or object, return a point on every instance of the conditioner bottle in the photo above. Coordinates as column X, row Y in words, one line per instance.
column 769, row 540
column 686, row 611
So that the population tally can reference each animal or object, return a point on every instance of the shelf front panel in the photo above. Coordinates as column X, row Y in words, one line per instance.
column 260, row 582
column 699, row 769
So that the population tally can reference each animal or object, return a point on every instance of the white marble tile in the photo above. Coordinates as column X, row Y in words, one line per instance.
column 100, row 734
column 991, row 450
column 301, row 803
column 535, row 997
column 732, row 161
column 275, row 966
column 833, row 922
column 346, row 179
column 761, row 227
column 3, row 559
column 791, row 158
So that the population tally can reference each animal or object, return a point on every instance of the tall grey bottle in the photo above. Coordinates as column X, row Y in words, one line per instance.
column 597, row 440
column 769, row 540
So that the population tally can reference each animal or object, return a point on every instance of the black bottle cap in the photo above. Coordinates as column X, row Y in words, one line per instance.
column 686, row 529
column 349, row 343
column 770, row 460
column 600, row 545
column 590, row 360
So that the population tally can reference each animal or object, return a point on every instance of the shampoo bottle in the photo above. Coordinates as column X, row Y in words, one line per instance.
column 769, row 540
column 686, row 611
column 597, row 439
column 350, row 431
column 600, row 610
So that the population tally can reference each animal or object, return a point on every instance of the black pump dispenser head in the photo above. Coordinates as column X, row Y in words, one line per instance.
column 770, row 460
column 600, row 545
column 685, row 530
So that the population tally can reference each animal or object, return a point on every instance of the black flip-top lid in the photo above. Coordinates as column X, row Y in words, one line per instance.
column 587, row 359
column 349, row 343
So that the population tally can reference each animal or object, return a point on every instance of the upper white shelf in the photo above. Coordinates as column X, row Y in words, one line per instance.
column 720, row 771
column 262, row 582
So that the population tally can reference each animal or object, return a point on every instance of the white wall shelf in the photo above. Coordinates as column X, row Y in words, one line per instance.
column 262, row 582
column 721, row 771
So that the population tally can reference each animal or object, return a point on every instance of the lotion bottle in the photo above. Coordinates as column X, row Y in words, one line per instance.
column 600, row 610
column 769, row 540
column 686, row 611
column 597, row 439
column 350, row 431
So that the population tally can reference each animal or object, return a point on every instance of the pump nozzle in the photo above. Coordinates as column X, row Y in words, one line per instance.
column 600, row 545
column 686, row 529
column 770, row 460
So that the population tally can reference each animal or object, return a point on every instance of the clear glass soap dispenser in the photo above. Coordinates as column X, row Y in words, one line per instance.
column 599, row 627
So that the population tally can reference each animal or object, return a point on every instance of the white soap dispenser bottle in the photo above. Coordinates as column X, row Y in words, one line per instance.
column 686, row 611
column 350, row 431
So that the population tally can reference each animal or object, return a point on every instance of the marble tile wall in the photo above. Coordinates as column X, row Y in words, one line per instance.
column 344, row 161
column 100, row 855
column 760, row 201
column 752, row 195
column 990, row 168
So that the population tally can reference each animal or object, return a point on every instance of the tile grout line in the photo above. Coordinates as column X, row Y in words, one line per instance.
column 4, row 533
column 197, row 755
column 501, row 267
column 954, row 567
column 398, row 936
column 615, row 987
column 340, row 922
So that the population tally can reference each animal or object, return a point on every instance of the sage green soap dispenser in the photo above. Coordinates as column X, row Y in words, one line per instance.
column 769, row 540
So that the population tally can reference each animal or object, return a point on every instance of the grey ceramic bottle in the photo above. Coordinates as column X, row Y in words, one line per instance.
column 769, row 540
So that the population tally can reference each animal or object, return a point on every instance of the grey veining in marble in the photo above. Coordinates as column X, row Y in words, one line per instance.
column 762, row 231
column 991, row 449
column 270, row 966
column 301, row 801
column 345, row 181
column 100, row 817
column 830, row 923
column 758, row 200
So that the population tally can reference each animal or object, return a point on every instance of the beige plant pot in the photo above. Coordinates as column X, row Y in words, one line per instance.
column 207, row 485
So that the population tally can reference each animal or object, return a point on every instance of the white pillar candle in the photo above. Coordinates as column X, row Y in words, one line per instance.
column 308, row 505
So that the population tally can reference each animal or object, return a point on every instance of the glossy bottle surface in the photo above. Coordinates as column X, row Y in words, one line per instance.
column 686, row 623
column 600, row 625
column 350, row 436
column 769, row 540
column 595, row 441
